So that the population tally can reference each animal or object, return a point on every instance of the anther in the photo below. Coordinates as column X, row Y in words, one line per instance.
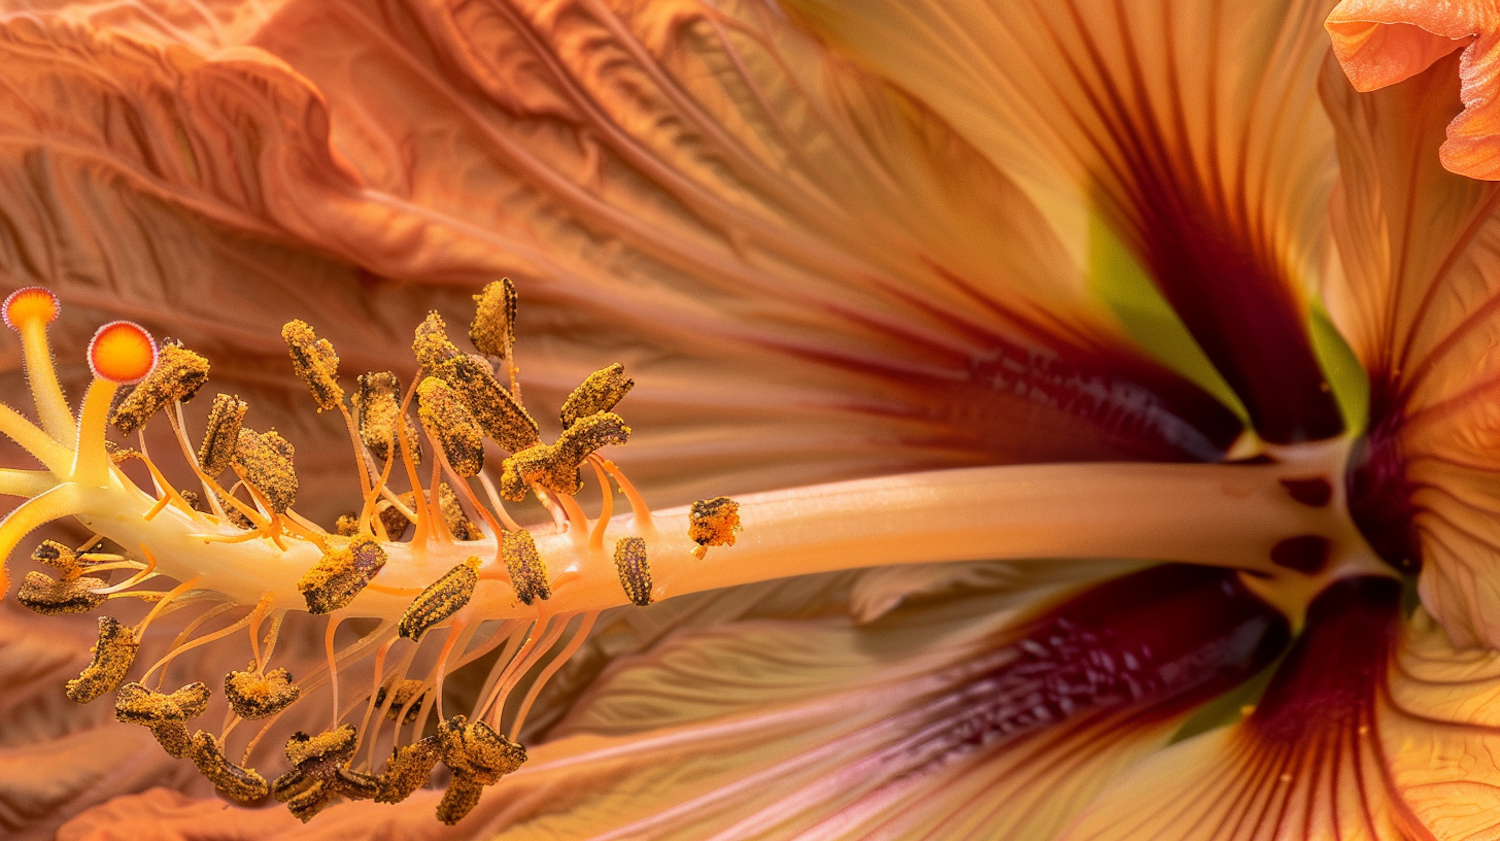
column 316, row 362
column 340, row 575
column 443, row 598
column 70, row 595
column 493, row 330
column 221, row 438
column 713, row 522
column 165, row 715
column 454, row 517
column 256, row 694
column 403, row 693
column 634, row 570
column 409, row 768
column 320, row 772
column 528, row 572
column 377, row 407
column 555, row 466
column 114, row 653
column 599, row 392
column 266, row 459
column 347, row 525
column 496, row 410
column 177, row 376
column 451, row 423
column 244, row 785
column 431, row 345
column 478, row 757
column 58, row 556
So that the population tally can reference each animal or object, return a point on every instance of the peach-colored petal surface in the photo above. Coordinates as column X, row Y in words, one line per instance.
column 1191, row 127
column 1383, row 42
column 1416, row 301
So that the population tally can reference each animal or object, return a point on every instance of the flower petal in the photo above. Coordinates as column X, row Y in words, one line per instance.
column 1191, row 125
column 1311, row 761
column 1383, row 42
column 1416, row 301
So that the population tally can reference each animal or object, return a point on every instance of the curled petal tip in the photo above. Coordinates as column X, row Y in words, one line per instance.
column 29, row 303
column 122, row 352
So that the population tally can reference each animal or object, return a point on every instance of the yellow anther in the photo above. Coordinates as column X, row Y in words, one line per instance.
column 634, row 569
column 528, row 572
column 555, row 466
column 340, row 575
column 122, row 352
column 256, row 694
column 391, row 517
column 321, row 772
column 194, row 500
column 478, row 757
column 443, row 598
column 266, row 460
column 164, row 714
column 453, row 515
column 493, row 330
column 177, row 376
column 120, row 454
column 347, row 525
column 70, row 595
column 431, row 346
column 222, row 437
column 409, row 768
column 58, row 556
column 114, row 653
column 377, row 406
column 450, row 423
column 493, row 406
column 713, row 522
column 402, row 693
column 316, row 362
column 599, row 392
column 244, row 785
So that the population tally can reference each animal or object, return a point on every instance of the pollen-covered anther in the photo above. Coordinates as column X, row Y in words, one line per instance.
column 244, row 785
column 377, row 410
column 555, row 466
column 41, row 593
column 165, row 715
column 402, row 693
column 256, row 694
column 122, row 352
column 267, row 462
column 443, row 598
column 495, row 409
column 120, row 454
column 431, row 345
column 320, row 772
column 408, row 769
column 452, row 425
column 316, row 362
column 599, row 392
column 28, row 304
column 493, row 329
column 221, row 439
column 713, row 522
column 528, row 572
column 341, row 574
column 478, row 757
column 58, row 556
column 177, row 376
column 634, row 569
column 114, row 654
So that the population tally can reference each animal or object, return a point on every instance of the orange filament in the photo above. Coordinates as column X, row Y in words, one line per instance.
column 562, row 657
column 606, row 507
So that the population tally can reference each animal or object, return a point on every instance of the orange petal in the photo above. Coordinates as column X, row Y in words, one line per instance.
column 1191, row 126
column 1417, row 301
column 1382, row 42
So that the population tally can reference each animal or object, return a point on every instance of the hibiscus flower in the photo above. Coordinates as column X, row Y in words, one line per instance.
column 947, row 296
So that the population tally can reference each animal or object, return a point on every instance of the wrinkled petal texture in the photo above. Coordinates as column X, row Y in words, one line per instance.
column 1383, row 42
column 1417, row 300
column 1190, row 126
